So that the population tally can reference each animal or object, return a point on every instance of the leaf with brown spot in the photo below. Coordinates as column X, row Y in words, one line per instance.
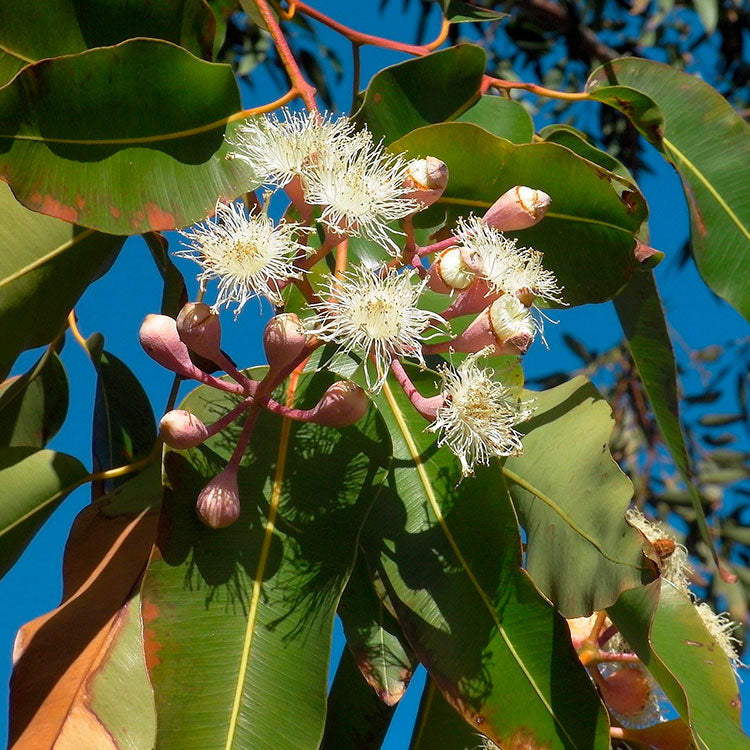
column 79, row 678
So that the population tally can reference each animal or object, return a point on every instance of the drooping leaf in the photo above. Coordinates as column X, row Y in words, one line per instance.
column 32, row 484
column 356, row 717
column 642, row 319
column 124, row 429
column 502, row 117
column 588, row 233
column 79, row 678
column 571, row 498
column 30, row 32
column 671, row 639
column 425, row 90
column 45, row 266
column 447, row 555
column 266, row 588
column 714, row 170
column 175, row 292
column 138, row 149
column 375, row 639
column 33, row 405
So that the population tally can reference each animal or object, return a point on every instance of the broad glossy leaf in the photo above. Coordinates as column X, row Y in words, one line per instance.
column 448, row 556
column 665, row 630
column 127, row 157
column 502, row 117
column 571, row 498
column 32, row 484
column 265, row 589
column 45, row 266
column 123, row 428
column 421, row 91
column 714, row 170
column 79, row 678
column 439, row 725
column 374, row 638
column 33, row 405
column 588, row 233
column 30, row 32
column 578, row 142
column 645, row 327
column 356, row 717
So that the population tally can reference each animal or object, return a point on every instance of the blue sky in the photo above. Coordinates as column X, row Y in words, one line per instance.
column 117, row 304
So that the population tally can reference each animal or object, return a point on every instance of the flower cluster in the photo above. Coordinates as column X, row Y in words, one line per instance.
column 343, row 184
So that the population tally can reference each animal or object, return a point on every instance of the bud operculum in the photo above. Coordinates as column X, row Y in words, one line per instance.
column 426, row 178
column 181, row 430
column 200, row 330
column 284, row 339
column 449, row 272
column 218, row 503
column 343, row 404
column 518, row 208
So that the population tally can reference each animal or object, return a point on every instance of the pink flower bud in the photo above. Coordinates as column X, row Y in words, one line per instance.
column 180, row 429
column 343, row 404
column 218, row 504
column 200, row 330
column 427, row 179
column 521, row 207
column 159, row 339
column 449, row 272
column 284, row 338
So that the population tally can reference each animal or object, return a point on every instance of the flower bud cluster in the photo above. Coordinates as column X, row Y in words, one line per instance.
column 343, row 184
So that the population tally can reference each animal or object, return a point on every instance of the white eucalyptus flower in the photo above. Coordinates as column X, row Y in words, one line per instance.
column 720, row 626
column 247, row 253
column 280, row 149
column 375, row 316
column 478, row 417
column 674, row 566
column 361, row 192
column 504, row 265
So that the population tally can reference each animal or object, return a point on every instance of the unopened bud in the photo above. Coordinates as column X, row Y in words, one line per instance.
column 449, row 272
column 521, row 207
column 343, row 404
column 218, row 504
column 426, row 179
column 200, row 330
column 626, row 691
column 284, row 338
column 180, row 429
column 159, row 339
column 512, row 324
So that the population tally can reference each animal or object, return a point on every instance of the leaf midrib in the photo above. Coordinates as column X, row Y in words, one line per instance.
column 429, row 493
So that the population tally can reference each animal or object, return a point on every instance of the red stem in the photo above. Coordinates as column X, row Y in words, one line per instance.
column 427, row 407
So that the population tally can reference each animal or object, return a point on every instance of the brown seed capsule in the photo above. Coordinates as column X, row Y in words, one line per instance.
column 664, row 547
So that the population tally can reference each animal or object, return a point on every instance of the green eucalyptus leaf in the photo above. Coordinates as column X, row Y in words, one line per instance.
column 127, row 157
column 421, row 91
column 578, row 142
column 587, row 234
column 33, row 406
column 32, row 484
column 439, row 725
column 663, row 627
column 708, row 143
column 45, row 266
column 456, row 11
column 266, row 588
column 374, row 638
column 642, row 318
column 571, row 498
column 501, row 117
column 124, row 430
column 447, row 556
column 356, row 717
column 30, row 32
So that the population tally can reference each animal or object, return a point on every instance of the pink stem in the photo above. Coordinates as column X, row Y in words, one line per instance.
column 427, row 407
column 436, row 247
column 228, row 418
